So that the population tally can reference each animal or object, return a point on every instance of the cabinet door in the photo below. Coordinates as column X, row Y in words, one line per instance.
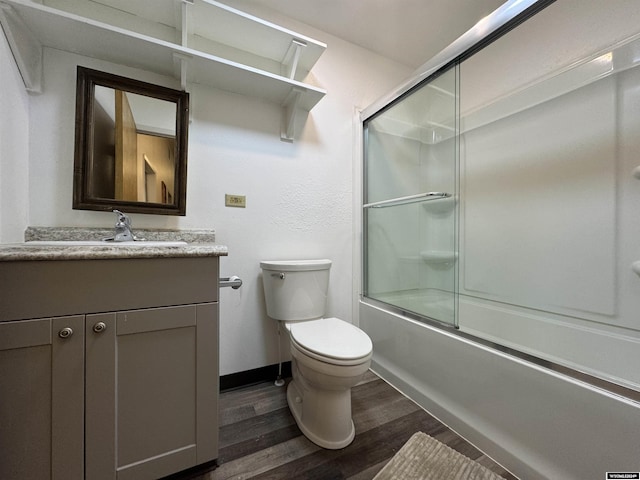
column 42, row 399
column 151, row 391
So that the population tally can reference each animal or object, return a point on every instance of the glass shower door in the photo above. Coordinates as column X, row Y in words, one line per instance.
column 410, row 185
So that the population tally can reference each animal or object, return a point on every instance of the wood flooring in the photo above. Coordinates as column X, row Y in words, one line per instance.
column 259, row 438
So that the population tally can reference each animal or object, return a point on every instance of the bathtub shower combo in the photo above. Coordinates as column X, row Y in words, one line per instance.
column 501, row 237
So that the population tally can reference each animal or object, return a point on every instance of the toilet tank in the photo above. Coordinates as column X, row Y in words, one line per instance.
column 295, row 289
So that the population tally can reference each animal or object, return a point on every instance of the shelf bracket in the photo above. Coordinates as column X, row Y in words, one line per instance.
column 184, row 19
column 291, row 58
column 180, row 66
column 289, row 113
column 25, row 47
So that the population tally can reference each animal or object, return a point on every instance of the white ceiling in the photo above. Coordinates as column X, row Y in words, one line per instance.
column 408, row 31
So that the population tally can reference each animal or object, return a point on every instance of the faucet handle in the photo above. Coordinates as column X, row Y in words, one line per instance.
column 122, row 218
column 123, row 228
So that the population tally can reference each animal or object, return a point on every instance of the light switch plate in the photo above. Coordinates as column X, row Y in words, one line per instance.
column 239, row 201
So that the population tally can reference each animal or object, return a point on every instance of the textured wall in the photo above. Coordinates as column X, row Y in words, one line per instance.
column 14, row 148
column 299, row 195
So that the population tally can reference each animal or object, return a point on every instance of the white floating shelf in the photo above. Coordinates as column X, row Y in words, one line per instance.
column 220, row 23
column 67, row 31
column 209, row 26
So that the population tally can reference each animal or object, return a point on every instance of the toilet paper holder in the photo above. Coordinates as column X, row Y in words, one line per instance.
column 234, row 282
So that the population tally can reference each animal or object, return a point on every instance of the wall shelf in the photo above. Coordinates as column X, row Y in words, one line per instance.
column 431, row 124
column 55, row 28
column 442, row 206
column 219, row 23
column 438, row 257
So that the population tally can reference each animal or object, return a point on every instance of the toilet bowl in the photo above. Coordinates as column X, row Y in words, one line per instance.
column 329, row 355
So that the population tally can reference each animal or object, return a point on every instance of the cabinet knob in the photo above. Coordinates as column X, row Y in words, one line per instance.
column 65, row 332
column 99, row 327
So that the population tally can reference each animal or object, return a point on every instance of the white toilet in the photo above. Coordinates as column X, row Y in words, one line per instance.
column 329, row 355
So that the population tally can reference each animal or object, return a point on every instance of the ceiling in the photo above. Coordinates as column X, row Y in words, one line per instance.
column 408, row 31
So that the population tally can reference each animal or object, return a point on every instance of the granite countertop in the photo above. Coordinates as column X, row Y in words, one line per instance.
column 200, row 243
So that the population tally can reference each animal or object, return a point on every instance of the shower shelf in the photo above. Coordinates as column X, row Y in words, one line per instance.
column 438, row 257
column 420, row 197
column 428, row 132
column 444, row 205
column 431, row 257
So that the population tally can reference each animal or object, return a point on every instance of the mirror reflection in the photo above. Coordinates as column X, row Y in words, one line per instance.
column 134, row 143
column 131, row 145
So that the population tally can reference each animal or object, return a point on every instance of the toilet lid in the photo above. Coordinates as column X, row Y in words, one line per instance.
column 332, row 338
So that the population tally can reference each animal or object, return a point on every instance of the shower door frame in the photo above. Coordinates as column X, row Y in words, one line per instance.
column 490, row 28
column 364, row 134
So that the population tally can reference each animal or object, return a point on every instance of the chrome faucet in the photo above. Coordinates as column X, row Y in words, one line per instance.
column 123, row 229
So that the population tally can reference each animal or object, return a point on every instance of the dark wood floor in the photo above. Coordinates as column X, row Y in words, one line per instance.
column 259, row 438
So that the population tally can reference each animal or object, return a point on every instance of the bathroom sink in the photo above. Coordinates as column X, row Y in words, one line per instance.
column 103, row 243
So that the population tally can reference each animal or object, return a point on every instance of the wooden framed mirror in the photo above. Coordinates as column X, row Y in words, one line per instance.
column 130, row 145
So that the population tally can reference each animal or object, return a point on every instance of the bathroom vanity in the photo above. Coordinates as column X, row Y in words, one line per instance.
column 108, row 360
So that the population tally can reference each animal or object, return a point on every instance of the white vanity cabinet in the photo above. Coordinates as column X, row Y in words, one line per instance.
column 127, row 394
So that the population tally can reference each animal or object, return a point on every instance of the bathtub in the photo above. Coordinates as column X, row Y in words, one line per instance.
column 536, row 422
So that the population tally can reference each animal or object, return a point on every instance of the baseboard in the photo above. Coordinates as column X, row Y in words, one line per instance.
column 257, row 375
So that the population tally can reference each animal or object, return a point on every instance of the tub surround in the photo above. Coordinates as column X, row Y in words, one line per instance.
column 200, row 243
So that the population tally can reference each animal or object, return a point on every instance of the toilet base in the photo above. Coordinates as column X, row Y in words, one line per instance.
column 339, row 438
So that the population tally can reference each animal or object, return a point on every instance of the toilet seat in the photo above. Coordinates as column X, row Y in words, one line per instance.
column 331, row 340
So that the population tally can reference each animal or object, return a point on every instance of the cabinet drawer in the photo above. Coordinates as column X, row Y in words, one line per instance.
column 39, row 289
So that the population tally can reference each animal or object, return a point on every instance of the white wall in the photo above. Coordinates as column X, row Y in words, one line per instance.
column 14, row 148
column 299, row 195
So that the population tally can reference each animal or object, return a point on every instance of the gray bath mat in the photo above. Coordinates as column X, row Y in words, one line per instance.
column 425, row 458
